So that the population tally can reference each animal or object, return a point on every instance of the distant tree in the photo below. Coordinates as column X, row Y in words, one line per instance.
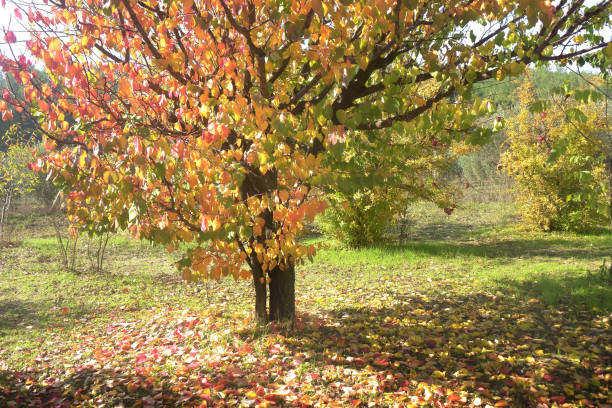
column 544, row 78
column 15, row 116
column 16, row 176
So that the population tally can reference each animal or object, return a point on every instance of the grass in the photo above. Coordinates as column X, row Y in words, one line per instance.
column 485, row 248
column 471, row 293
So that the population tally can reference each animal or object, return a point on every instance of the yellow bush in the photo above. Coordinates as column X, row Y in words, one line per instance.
column 566, row 191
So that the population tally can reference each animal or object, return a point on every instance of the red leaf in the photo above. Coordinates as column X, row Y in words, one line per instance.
column 18, row 14
column 65, row 311
column 9, row 37
column 141, row 358
column 560, row 399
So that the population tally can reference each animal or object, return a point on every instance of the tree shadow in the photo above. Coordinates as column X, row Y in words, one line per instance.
column 470, row 344
column 19, row 313
column 16, row 312
column 593, row 290
column 480, row 346
column 448, row 230
column 509, row 248
column 85, row 387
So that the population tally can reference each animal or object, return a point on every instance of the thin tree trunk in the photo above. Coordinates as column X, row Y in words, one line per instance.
column 2, row 211
column 6, row 206
column 609, row 170
column 282, row 294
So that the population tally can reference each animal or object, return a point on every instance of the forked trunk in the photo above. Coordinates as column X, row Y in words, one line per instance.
column 282, row 295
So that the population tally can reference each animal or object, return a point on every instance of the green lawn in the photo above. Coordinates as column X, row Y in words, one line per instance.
column 470, row 311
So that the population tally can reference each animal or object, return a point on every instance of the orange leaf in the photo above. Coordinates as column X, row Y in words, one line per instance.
column 283, row 195
column 125, row 88
column 454, row 397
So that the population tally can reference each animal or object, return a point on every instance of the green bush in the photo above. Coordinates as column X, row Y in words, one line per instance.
column 359, row 219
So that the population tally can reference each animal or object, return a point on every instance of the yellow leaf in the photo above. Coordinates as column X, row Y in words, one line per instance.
column 251, row 395
column 500, row 75
column 55, row 45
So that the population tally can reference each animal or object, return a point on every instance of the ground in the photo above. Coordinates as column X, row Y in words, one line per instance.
column 470, row 311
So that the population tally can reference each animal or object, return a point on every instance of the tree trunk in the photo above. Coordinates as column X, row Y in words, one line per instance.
column 281, row 282
column 6, row 206
column 609, row 171
column 259, row 283
column 282, row 294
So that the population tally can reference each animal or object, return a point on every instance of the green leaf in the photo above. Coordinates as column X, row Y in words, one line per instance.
column 342, row 116
column 557, row 150
column 575, row 115
column 479, row 136
column 539, row 106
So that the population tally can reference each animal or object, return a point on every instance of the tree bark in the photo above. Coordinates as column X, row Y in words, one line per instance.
column 261, row 296
column 282, row 294
column 281, row 283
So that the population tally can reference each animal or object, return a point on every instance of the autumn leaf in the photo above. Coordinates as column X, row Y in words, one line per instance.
column 9, row 37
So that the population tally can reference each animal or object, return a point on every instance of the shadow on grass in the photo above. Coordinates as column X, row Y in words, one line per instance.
column 473, row 228
column 486, row 345
column 590, row 291
column 483, row 345
column 17, row 312
column 448, row 230
column 31, row 315
column 86, row 387
column 511, row 248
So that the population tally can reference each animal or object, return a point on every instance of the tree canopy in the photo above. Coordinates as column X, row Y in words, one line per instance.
column 213, row 122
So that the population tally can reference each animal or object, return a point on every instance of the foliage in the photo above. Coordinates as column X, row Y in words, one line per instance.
column 16, row 177
column 208, row 122
column 464, row 319
column 545, row 79
column 362, row 218
column 15, row 117
column 560, row 175
column 380, row 179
